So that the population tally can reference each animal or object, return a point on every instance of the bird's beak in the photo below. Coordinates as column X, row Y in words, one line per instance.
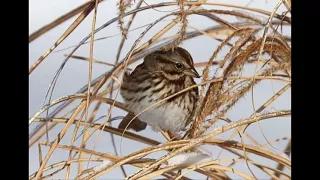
column 192, row 72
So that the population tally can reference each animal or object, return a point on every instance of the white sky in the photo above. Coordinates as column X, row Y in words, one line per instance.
column 75, row 75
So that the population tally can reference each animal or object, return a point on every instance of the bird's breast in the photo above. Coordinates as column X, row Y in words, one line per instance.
column 147, row 103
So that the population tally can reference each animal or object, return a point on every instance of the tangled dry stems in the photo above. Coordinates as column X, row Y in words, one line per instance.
column 218, row 95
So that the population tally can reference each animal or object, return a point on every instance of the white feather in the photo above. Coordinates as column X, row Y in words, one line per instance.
column 170, row 117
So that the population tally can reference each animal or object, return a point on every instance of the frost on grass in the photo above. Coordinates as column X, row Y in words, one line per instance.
column 187, row 159
column 219, row 73
column 104, row 164
column 263, row 19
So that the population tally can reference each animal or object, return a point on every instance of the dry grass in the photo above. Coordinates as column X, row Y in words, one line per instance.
column 222, row 87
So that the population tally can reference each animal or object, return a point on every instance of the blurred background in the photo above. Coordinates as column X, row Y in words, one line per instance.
column 74, row 76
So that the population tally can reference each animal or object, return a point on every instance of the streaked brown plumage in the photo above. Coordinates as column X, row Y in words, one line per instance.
column 161, row 74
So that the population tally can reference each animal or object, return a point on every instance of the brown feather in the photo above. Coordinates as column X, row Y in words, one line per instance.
column 142, row 86
column 136, row 124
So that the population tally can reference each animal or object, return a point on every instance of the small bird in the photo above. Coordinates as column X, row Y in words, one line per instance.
column 161, row 74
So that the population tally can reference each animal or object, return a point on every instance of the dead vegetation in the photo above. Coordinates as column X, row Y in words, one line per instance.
column 251, row 43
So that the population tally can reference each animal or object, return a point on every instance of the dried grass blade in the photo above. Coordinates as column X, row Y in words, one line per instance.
column 82, row 16
column 58, row 21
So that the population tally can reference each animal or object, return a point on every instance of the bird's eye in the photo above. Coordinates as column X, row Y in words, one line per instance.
column 179, row 65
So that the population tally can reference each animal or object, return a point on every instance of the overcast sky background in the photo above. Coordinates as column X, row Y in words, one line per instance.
column 75, row 75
